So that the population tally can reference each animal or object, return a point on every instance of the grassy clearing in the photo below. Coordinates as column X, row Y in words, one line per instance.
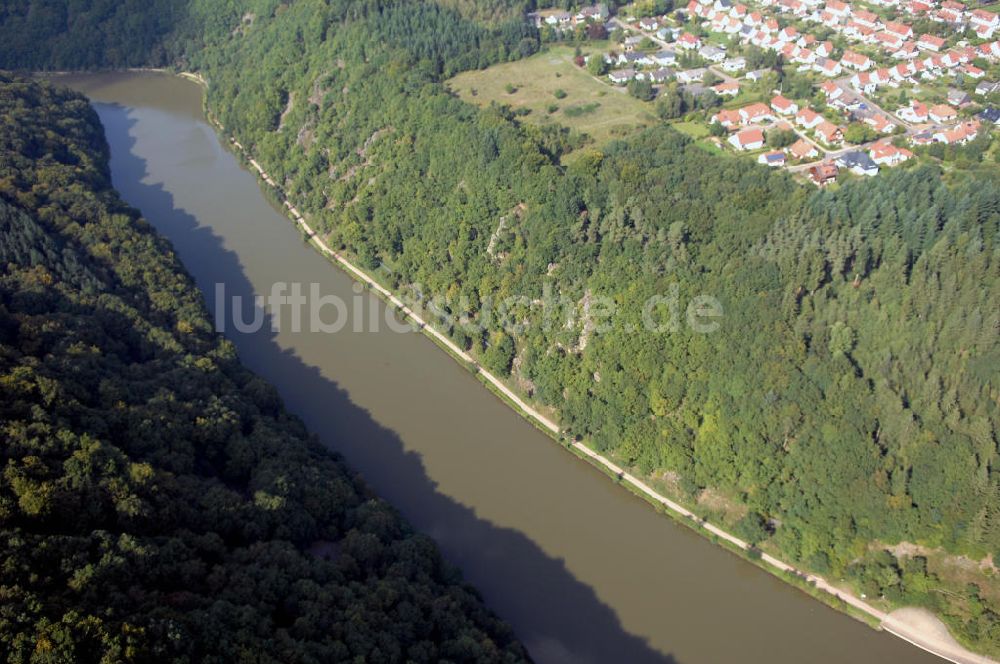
column 691, row 129
column 593, row 107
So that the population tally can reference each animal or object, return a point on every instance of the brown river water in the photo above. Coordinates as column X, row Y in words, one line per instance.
column 583, row 570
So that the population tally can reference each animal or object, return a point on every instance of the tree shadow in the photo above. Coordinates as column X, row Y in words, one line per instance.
column 556, row 616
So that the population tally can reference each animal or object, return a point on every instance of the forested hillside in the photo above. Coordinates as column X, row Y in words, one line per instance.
column 156, row 502
column 848, row 401
column 849, row 398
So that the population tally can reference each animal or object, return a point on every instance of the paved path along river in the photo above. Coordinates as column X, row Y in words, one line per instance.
column 584, row 571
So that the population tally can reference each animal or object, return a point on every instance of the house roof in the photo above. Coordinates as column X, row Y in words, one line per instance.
column 781, row 104
column 898, row 28
column 943, row 111
column 806, row 115
column 856, row 59
column 755, row 110
column 825, row 171
column 886, row 150
column 857, row 159
column 802, row 148
column 748, row 136
column 827, row 130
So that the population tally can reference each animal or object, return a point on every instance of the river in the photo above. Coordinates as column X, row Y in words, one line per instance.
column 583, row 570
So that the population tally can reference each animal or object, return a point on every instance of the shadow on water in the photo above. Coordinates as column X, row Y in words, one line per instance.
column 558, row 618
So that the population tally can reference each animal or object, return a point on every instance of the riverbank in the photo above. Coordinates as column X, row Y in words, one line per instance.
column 638, row 486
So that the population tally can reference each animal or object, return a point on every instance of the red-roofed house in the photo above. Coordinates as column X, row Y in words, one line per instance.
column 803, row 149
column 838, row 8
column 748, row 139
column 830, row 133
column 915, row 112
column 981, row 17
column 963, row 133
column 856, row 61
column 831, row 90
column 899, row 29
column 688, row 42
column 889, row 41
column 756, row 112
column 866, row 18
column 829, row 68
column 808, row 118
column 880, row 123
column 823, row 174
column 942, row 113
column 864, row 82
column 885, row 153
column 784, row 106
column 930, row 43
column 727, row 118
column 729, row 88
column 974, row 72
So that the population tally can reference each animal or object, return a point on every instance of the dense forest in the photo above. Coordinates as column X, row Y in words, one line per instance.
column 156, row 501
column 848, row 401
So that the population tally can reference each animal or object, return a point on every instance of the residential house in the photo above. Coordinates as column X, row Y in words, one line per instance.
column 930, row 43
column 958, row 98
column 880, row 123
column 838, row 8
column 831, row 90
column 773, row 159
column 808, row 118
column 941, row 113
column 748, row 139
column 733, row 65
column 560, row 19
column 915, row 112
column 901, row 30
column 803, row 149
column 597, row 13
column 864, row 83
column 858, row 163
column 907, row 51
column 727, row 118
column 885, row 153
column 866, row 18
column 991, row 115
column 712, row 53
column 987, row 88
column 621, row 76
column 828, row 67
column 973, row 72
column 784, row 106
column 857, row 61
column 755, row 75
column 727, row 89
column 823, row 174
column 648, row 24
column 665, row 58
column 958, row 135
column 755, row 113
column 691, row 75
column 632, row 43
column 984, row 22
column 888, row 41
column 829, row 133
column 688, row 42
column 661, row 75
